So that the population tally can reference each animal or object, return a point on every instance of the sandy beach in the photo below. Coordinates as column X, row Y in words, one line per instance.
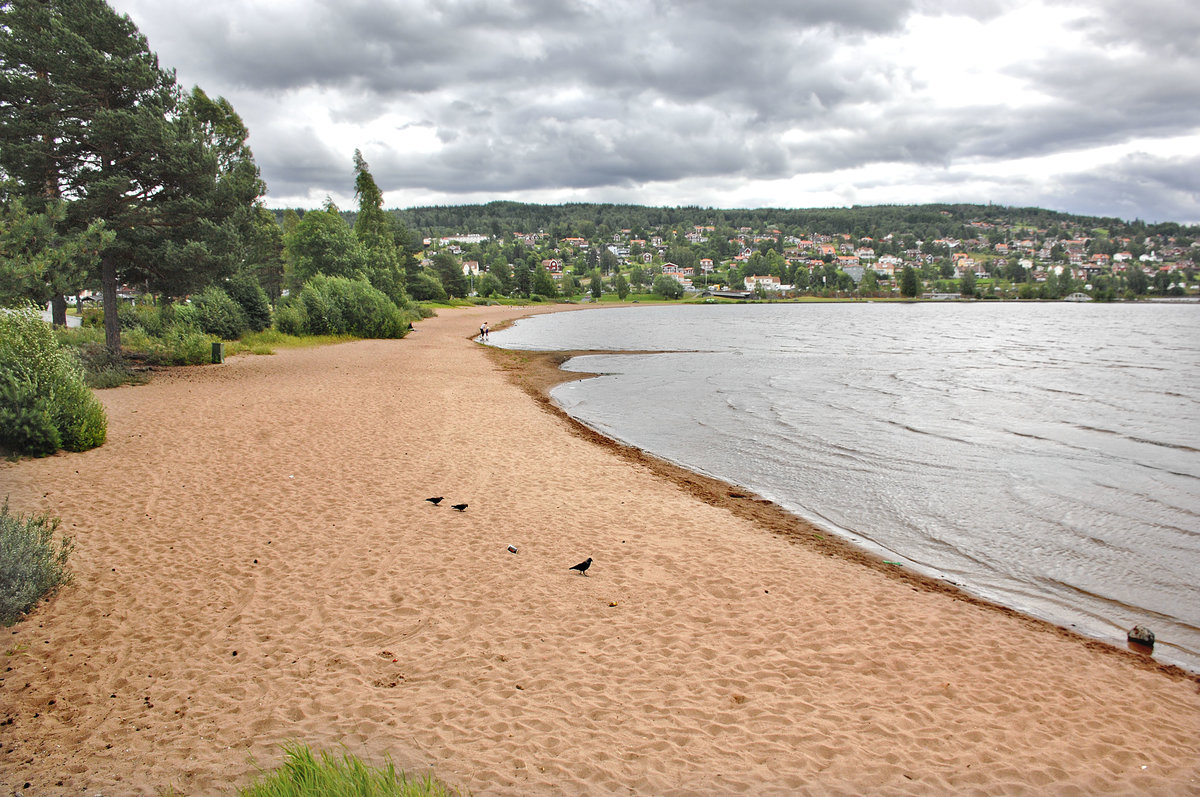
column 255, row 563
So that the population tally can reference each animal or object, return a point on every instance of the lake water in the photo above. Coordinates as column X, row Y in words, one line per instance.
column 1044, row 456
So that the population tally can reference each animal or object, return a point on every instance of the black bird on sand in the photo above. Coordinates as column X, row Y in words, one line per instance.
column 459, row 507
column 583, row 566
column 437, row 499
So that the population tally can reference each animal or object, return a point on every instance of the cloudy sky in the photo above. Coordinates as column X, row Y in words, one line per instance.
column 1087, row 106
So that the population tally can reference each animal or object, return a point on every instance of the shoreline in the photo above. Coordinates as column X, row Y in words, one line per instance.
column 539, row 372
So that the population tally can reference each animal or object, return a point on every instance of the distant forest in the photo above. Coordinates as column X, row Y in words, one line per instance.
column 926, row 222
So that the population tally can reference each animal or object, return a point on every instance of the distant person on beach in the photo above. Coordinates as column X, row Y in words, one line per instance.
column 483, row 331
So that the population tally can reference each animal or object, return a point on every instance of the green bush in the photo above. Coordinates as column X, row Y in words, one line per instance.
column 182, row 345
column 26, row 423
column 219, row 314
column 183, row 315
column 245, row 290
column 32, row 563
column 290, row 318
column 323, row 316
column 92, row 317
column 102, row 368
column 40, row 378
column 79, row 418
column 338, row 305
column 149, row 318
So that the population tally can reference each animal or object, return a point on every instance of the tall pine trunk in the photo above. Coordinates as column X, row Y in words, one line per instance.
column 108, row 292
column 58, row 310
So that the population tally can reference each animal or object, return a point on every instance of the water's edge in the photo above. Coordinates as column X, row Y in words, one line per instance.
column 539, row 372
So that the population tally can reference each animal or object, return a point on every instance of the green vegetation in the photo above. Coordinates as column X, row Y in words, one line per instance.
column 338, row 305
column 33, row 563
column 45, row 404
column 303, row 775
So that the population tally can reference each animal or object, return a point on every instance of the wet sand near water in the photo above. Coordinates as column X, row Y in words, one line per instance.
column 255, row 563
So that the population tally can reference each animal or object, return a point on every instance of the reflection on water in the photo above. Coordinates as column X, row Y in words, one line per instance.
column 1044, row 456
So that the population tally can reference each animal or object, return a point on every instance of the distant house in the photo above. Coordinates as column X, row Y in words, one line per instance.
column 553, row 265
column 765, row 281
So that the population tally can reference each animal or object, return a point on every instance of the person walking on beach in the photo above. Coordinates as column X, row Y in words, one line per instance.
column 483, row 331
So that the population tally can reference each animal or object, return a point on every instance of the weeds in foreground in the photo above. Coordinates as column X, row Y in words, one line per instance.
column 302, row 775
column 33, row 564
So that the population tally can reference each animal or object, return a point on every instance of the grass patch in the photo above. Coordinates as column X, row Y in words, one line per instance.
column 267, row 341
column 33, row 564
column 302, row 774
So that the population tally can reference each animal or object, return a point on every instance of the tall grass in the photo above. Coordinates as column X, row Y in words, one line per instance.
column 303, row 775
column 33, row 563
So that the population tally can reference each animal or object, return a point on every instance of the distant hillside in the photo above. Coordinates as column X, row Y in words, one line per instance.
column 923, row 221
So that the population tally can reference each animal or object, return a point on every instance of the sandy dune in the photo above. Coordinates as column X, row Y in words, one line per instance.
column 255, row 563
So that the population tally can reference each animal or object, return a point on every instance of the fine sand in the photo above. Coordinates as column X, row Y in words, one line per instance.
column 255, row 563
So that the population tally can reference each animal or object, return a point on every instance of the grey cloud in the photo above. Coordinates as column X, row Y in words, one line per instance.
column 1159, row 27
column 549, row 95
column 1139, row 186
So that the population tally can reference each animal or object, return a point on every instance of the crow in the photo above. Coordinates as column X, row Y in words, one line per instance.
column 437, row 499
column 583, row 566
column 459, row 507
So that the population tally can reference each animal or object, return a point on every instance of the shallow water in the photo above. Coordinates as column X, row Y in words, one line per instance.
column 1046, row 456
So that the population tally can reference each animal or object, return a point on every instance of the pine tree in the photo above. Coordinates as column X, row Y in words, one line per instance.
column 88, row 116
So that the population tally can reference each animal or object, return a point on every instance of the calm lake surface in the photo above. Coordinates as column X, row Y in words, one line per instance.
column 1044, row 456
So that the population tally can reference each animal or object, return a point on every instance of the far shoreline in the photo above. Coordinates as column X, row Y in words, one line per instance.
column 537, row 373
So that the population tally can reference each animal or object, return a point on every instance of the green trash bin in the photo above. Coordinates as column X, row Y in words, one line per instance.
column 218, row 353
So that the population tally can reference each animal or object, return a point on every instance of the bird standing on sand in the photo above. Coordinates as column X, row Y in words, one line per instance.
column 583, row 566
column 437, row 499
column 459, row 507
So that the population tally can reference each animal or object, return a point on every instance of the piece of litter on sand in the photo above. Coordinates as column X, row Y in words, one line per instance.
column 512, row 549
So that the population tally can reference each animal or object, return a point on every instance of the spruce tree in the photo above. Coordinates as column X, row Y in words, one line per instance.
column 371, row 227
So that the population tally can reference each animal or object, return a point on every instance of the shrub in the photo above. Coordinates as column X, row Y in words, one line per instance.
column 183, row 315
column 290, row 319
column 322, row 315
column 149, row 318
column 338, row 305
column 103, row 369
column 182, row 345
column 245, row 290
column 32, row 563
column 219, row 314
column 40, row 378
column 79, row 418
column 26, row 425
column 127, row 315
column 92, row 317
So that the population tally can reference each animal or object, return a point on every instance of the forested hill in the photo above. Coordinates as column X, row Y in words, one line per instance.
column 587, row 220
